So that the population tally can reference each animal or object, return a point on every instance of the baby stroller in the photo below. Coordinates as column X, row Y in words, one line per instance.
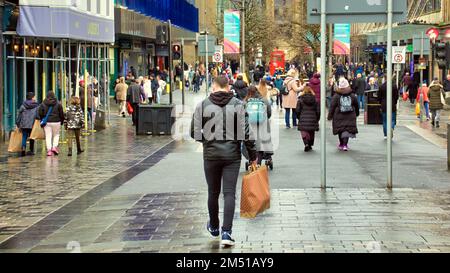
column 262, row 156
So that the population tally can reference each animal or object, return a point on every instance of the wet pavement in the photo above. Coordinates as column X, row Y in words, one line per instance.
column 147, row 194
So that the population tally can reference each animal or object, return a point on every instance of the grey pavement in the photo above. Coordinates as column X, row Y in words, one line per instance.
column 159, row 205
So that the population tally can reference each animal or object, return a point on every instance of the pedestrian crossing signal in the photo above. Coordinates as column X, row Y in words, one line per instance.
column 176, row 52
column 443, row 55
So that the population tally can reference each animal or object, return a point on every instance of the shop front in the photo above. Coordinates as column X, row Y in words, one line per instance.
column 52, row 48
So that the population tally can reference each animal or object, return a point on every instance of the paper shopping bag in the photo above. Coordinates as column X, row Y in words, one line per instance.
column 255, row 196
column 38, row 132
column 15, row 142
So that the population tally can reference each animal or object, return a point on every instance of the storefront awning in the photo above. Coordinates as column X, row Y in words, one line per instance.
column 64, row 22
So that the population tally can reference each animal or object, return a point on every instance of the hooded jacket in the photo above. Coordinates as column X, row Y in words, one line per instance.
column 314, row 83
column 343, row 122
column 308, row 113
column 382, row 97
column 241, row 88
column 27, row 114
column 222, row 144
column 57, row 114
column 434, row 96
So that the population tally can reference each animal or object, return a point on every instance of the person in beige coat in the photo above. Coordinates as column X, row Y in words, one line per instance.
column 290, row 100
column 121, row 96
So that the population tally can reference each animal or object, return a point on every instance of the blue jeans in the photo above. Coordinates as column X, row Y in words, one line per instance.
column 361, row 101
column 26, row 133
column 288, row 117
column 394, row 122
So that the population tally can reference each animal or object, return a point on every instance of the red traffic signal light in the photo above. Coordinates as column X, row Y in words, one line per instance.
column 176, row 52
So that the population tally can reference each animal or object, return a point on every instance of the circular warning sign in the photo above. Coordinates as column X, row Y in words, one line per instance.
column 217, row 57
column 398, row 58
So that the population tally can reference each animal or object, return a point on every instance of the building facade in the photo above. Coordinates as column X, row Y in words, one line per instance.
column 370, row 40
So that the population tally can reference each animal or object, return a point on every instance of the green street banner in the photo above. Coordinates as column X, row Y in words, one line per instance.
column 232, row 32
column 341, row 43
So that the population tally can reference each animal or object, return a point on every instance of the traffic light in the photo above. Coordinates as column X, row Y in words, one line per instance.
column 162, row 35
column 176, row 52
column 442, row 55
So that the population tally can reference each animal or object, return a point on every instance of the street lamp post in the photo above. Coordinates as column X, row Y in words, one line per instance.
column 243, row 66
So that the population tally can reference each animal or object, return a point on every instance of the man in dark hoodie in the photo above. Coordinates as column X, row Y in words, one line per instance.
column 25, row 121
column 222, row 137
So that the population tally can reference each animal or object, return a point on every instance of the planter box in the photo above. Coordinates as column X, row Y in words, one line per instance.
column 155, row 119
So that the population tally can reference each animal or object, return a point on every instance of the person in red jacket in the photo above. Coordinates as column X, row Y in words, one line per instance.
column 423, row 91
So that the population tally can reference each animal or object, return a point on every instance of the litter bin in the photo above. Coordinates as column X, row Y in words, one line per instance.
column 155, row 119
column 100, row 120
column 372, row 113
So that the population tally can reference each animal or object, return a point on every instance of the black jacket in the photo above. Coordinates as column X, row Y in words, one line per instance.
column 135, row 94
column 382, row 97
column 447, row 85
column 360, row 86
column 57, row 114
column 241, row 88
column 308, row 113
column 343, row 122
column 213, row 112
column 27, row 114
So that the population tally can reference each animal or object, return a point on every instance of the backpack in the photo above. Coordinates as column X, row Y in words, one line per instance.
column 256, row 110
column 346, row 104
column 284, row 90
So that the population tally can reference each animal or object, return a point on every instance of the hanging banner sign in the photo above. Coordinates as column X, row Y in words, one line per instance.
column 341, row 43
column 232, row 32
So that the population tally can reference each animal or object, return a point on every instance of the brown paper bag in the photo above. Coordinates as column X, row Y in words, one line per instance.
column 15, row 142
column 38, row 132
column 255, row 196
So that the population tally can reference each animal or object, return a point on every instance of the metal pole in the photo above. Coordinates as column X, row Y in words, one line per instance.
column 243, row 59
column 70, row 70
column 183, row 87
column 172, row 82
column 389, row 93
column 36, row 72
column 24, row 75
column 330, row 53
column 397, row 69
column 448, row 146
column 421, row 79
column 207, row 63
column 77, row 85
column 323, row 54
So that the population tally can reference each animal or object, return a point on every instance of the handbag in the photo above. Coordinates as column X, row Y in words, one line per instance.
column 417, row 109
column 255, row 195
column 130, row 108
column 15, row 141
column 45, row 119
column 405, row 96
column 37, row 132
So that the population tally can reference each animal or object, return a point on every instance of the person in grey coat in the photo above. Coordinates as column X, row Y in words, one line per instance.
column 25, row 121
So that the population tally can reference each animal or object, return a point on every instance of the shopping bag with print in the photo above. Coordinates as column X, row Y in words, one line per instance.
column 255, row 195
column 15, row 141
column 38, row 132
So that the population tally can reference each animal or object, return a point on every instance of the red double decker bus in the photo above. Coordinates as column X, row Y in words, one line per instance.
column 277, row 60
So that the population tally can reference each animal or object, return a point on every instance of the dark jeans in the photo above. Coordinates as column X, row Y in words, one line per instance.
column 343, row 140
column 394, row 122
column 135, row 113
column 74, row 134
column 26, row 133
column 222, row 174
column 288, row 117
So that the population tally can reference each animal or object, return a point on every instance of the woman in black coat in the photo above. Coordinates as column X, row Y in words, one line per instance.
column 344, row 111
column 308, row 114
